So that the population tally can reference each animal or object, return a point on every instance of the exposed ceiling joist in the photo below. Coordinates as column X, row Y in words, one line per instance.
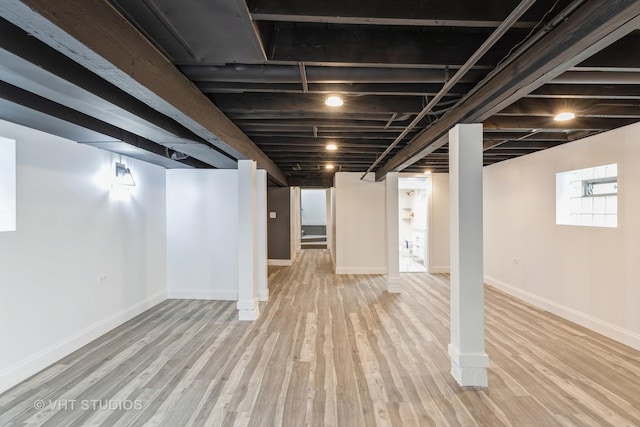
column 435, row 11
column 37, row 103
column 603, row 91
column 34, row 67
column 269, row 64
column 113, row 49
column 588, row 30
column 315, row 104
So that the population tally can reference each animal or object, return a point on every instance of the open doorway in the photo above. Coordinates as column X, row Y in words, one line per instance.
column 413, row 205
column 313, row 218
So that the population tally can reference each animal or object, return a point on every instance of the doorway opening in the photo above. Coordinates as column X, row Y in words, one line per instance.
column 413, row 203
column 313, row 218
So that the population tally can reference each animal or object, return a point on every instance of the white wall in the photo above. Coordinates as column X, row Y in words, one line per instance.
column 587, row 275
column 81, row 262
column 314, row 206
column 331, row 228
column 7, row 184
column 202, row 233
column 360, row 224
column 296, row 226
column 439, row 253
column 261, row 267
column 405, row 207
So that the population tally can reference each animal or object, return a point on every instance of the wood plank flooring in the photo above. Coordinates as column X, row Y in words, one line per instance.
column 333, row 350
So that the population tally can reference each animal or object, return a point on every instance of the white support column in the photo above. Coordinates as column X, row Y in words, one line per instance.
column 469, row 361
column 248, row 308
column 263, row 285
column 394, row 282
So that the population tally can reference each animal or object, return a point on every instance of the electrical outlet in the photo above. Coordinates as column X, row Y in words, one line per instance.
column 516, row 261
column 102, row 279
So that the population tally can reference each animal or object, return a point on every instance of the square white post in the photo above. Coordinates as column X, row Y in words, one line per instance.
column 394, row 282
column 248, row 307
column 263, row 285
column 469, row 361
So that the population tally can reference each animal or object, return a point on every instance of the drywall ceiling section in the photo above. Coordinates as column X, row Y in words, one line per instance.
column 184, row 33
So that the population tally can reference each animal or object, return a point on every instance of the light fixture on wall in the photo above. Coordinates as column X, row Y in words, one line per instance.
column 329, row 166
column 123, row 176
column 332, row 147
column 334, row 101
column 564, row 116
column 175, row 155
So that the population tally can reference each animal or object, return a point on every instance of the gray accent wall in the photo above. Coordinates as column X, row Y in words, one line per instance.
column 279, row 228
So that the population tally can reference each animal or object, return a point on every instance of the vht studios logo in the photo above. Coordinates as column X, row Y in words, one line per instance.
column 88, row 405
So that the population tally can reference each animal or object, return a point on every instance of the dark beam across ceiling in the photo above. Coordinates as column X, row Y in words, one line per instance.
column 488, row 13
column 268, row 65
column 113, row 49
column 585, row 32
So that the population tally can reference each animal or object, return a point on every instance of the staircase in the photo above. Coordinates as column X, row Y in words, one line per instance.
column 313, row 242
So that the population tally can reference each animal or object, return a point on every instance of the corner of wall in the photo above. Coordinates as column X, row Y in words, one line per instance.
column 23, row 370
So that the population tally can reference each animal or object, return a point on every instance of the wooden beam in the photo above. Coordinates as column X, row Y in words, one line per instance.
column 588, row 30
column 37, row 103
column 94, row 34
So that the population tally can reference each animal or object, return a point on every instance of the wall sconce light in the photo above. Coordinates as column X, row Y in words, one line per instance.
column 123, row 176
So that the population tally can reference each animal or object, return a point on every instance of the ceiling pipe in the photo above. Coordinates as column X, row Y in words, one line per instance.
column 561, row 17
column 317, row 74
column 482, row 50
column 303, row 78
column 597, row 78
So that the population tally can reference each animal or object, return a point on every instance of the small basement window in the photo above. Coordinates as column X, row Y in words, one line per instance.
column 588, row 197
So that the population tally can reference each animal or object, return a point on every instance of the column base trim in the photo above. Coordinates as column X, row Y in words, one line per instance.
column 248, row 309
column 263, row 295
column 470, row 369
column 394, row 285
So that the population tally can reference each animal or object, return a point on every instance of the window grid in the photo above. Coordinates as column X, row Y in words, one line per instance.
column 592, row 197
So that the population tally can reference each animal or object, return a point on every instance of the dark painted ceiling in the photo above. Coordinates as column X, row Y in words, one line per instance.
column 269, row 64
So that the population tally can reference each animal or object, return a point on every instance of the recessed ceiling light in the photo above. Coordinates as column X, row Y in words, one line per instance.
column 329, row 166
column 564, row 116
column 334, row 101
column 332, row 147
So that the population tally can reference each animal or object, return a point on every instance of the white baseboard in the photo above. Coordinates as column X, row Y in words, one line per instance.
column 280, row 262
column 609, row 330
column 13, row 375
column 214, row 294
column 361, row 270
column 439, row 269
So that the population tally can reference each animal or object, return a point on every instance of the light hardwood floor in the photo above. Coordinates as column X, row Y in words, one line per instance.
column 333, row 351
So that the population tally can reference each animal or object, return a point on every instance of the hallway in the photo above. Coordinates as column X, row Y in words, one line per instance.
column 333, row 350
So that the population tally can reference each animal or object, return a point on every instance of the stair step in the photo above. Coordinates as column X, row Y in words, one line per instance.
column 308, row 239
column 314, row 245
